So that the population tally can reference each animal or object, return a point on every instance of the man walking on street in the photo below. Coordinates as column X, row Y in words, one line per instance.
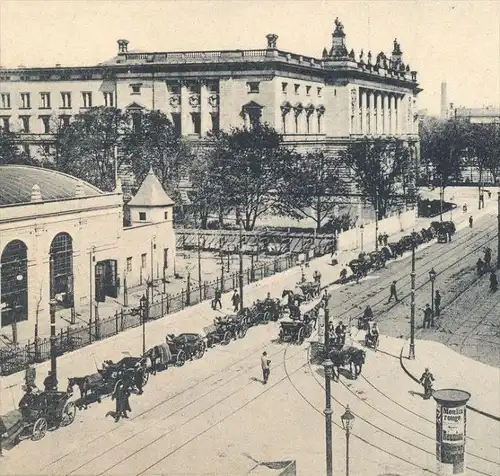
column 437, row 303
column 265, row 367
column 236, row 301
column 470, row 221
column 427, row 317
column 393, row 292
column 217, row 300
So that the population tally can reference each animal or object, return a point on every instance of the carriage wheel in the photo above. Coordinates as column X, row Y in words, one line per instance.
column 266, row 318
column 200, row 350
column 242, row 331
column 300, row 336
column 180, row 359
column 39, row 429
column 68, row 414
column 226, row 338
column 145, row 378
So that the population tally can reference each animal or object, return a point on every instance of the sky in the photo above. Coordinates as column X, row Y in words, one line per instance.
column 453, row 41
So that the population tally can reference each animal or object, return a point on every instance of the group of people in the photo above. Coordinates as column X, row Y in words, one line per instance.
column 484, row 265
column 383, row 239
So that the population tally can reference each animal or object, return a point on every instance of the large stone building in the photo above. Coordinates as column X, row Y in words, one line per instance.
column 63, row 238
column 325, row 101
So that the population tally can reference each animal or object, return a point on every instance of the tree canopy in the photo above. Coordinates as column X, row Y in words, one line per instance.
column 10, row 152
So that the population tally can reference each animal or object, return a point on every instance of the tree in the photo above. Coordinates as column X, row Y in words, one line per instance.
column 245, row 171
column 485, row 145
column 313, row 187
column 381, row 169
column 85, row 147
column 154, row 142
column 10, row 152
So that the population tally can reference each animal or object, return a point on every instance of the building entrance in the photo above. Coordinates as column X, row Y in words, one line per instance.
column 106, row 280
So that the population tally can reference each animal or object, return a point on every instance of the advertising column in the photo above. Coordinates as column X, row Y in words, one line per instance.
column 451, row 426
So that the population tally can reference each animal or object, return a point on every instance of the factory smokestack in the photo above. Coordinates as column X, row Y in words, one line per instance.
column 444, row 101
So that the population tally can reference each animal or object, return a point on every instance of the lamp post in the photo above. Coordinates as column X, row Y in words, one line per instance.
column 16, row 305
column 144, row 311
column 376, row 221
column 498, row 225
column 328, row 365
column 199, row 268
column 362, row 229
column 412, row 305
column 241, row 263
column 347, row 423
column 432, row 277
column 53, row 363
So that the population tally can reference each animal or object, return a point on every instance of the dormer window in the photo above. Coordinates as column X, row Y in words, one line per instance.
column 253, row 87
column 136, row 88
column 142, row 216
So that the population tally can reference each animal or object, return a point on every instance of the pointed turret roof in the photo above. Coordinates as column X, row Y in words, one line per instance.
column 151, row 193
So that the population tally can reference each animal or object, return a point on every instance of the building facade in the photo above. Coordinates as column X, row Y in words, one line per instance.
column 63, row 238
column 324, row 101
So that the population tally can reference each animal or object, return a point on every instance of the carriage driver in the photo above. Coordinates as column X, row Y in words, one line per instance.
column 340, row 330
column 50, row 382
column 374, row 333
column 317, row 277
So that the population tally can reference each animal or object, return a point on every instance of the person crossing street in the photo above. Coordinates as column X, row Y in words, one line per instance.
column 470, row 221
column 394, row 293
column 266, row 370
column 217, row 299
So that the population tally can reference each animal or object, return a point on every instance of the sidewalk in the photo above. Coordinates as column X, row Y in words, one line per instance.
column 453, row 370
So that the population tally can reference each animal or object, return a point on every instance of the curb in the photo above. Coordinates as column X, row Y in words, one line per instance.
column 407, row 372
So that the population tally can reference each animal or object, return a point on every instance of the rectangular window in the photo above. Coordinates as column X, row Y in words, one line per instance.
column 308, row 90
column 142, row 216
column 129, row 264
column 26, row 123
column 65, row 100
column 5, row 100
column 6, row 124
column 65, row 121
column 136, row 88
column 166, row 215
column 296, row 88
column 196, row 118
column 87, row 99
column 319, row 92
column 25, row 101
column 176, row 120
column 109, row 100
column 44, row 100
column 144, row 258
column 45, row 124
column 284, row 87
column 319, row 124
column 253, row 87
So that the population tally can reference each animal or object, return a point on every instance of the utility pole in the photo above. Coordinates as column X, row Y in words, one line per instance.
column 328, row 365
column 53, row 362
column 241, row 263
column 199, row 268
column 153, row 246
column 412, row 308
column 376, row 221
column 498, row 230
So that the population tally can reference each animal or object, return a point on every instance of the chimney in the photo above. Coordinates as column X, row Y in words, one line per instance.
column 444, row 101
column 122, row 46
column 36, row 194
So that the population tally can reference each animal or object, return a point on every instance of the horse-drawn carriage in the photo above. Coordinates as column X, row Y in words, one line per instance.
column 347, row 356
column 443, row 230
column 295, row 331
column 310, row 289
column 102, row 383
column 257, row 314
column 176, row 350
column 226, row 328
column 38, row 412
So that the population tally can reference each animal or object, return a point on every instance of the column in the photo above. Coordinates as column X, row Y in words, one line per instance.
column 206, row 125
column 386, row 114
column 392, row 116
column 186, row 122
column 373, row 112
column 363, row 111
column 410, row 115
column 380, row 114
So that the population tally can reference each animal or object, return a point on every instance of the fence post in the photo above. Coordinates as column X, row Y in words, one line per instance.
column 116, row 321
column 248, row 276
column 182, row 298
column 168, row 303
column 204, row 290
column 121, row 320
column 162, row 309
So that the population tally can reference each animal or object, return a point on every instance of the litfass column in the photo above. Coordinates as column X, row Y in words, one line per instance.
column 451, row 430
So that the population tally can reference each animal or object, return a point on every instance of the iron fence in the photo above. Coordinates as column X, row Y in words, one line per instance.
column 14, row 359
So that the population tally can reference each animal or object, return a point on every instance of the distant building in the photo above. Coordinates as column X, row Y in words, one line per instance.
column 483, row 115
column 63, row 238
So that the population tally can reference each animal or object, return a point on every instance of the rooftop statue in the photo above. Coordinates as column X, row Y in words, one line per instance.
column 339, row 27
column 369, row 56
column 397, row 47
column 361, row 56
column 351, row 54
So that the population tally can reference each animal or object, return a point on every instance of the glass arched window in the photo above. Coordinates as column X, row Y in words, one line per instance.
column 61, row 269
column 14, row 283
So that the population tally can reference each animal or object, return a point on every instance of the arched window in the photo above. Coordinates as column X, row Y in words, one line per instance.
column 14, row 283
column 61, row 269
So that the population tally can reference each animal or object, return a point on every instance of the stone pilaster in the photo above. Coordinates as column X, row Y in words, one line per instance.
column 363, row 111
column 386, row 129
column 373, row 111
column 392, row 115
column 186, row 122
column 380, row 115
column 205, row 109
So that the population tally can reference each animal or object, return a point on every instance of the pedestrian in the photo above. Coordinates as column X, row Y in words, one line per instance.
column 343, row 275
column 493, row 281
column 317, row 277
column 217, row 299
column 427, row 317
column 426, row 381
column 340, row 331
column 464, row 208
column 30, row 376
column 470, row 221
column 121, row 395
column 480, row 267
column 394, row 293
column 489, row 193
column 380, row 239
column 437, row 303
column 487, row 257
column 386, row 239
column 266, row 370
column 139, row 377
column 50, row 382
column 236, row 301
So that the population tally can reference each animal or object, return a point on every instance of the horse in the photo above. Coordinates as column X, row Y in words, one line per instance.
column 351, row 356
column 93, row 383
column 294, row 301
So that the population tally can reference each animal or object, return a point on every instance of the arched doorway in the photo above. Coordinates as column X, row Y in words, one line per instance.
column 14, row 283
column 61, row 269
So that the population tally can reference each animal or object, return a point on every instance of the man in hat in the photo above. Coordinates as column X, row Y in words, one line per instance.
column 394, row 293
column 266, row 370
column 427, row 316
column 50, row 382
column 236, row 300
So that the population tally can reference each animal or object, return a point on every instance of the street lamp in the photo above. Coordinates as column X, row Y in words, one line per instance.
column 144, row 311
column 328, row 365
column 19, row 279
column 362, row 228
column 412, row 305
column 432, row 277
column 347, row 423
column 53, row 363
